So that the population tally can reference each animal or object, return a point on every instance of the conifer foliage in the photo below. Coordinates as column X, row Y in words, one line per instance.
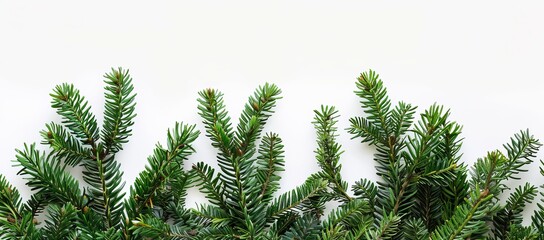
column 241, row 194
column 100, row 210
column 424, row 191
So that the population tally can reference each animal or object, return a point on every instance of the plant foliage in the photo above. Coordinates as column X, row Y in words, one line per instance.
column 423, row 190
column 241, row 193
column 98, row 209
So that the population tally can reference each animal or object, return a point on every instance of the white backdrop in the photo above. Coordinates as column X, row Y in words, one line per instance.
column 483, row 60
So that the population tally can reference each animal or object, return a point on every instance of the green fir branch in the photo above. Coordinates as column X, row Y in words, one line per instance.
column 48, row 178
column 165, row 165
column 328, row 150
column 424, row 191
column 306, row 227
column 374, row 100
column 254, row 116
column 23, row 228
column 387, row 228
column 538, row 216
column 270, row 162
column 60, row 223
column 209, row 184
column 216, row 120
column 118, row 110
column 76, row 113
column 64, row 145
column 106, row 183
column 510, row 216
column 149, row 227
column 296, row 199
column 351, row 218
column 11, row 206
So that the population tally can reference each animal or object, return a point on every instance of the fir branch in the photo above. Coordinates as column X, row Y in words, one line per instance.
column 490, row 172
column 48, row 177
column 212, row 215
column 165, row 165
column 415, row 229
column 518, row 232
column 11, row 207
column 216, row 120
column 386, row 229
column 101, row 172
column 90, row 224
column 76, row 113
column 538, row 216
column 297, row 198
column 165, row 168
column 384, row 128
column 402, row 117
column 239, row 171
column 428, row 133
column 362, row 128
column 118, row 110
column 270, row 161
column 328, row 151
column 366, row 190
column 487, row 177
column 149, row 227
column 61, row 222
column 374, row 100
column 23, row 228
column 106, row 183
column 510, row 215
column 175, row 194
column 521, row 150
column 64, row 145
column 252, row 120
column 467, row 221
column 231, row 160
column 209, row 184
column 305, row 228
column 517, row 201
column 254, row 116
column 354, row 217
column 15, row 221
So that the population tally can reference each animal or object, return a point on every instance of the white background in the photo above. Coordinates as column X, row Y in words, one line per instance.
column 483, row 60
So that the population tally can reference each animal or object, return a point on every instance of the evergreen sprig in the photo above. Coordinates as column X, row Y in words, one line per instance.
column 118, row 110
column 241, row 191
column 100, row 210
column 161, row 188
column 102, row 172
column 538, row 217
column 328, row 151
column 422, row 184
column 48, row 178
column 76, row 113
column 424, row 191
column 61, row 222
